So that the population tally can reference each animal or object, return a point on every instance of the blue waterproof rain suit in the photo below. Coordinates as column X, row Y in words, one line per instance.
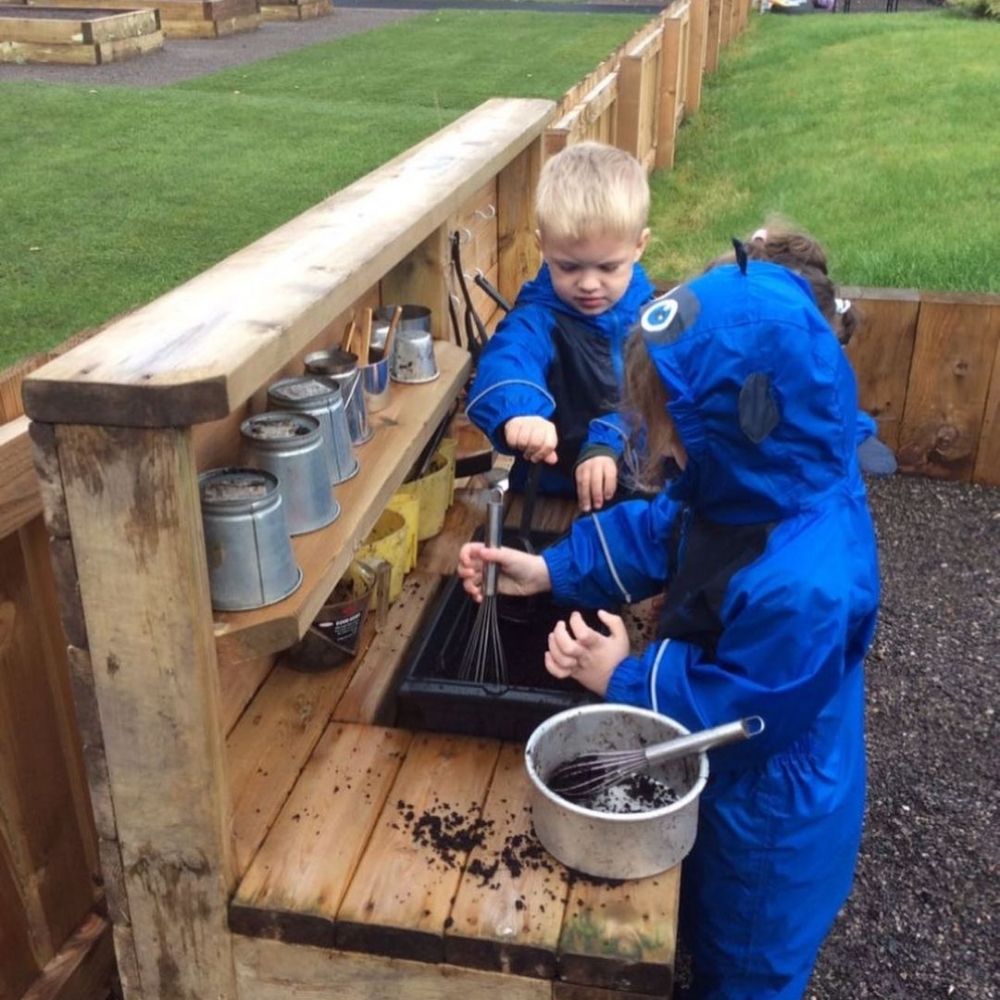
column 767, row 550
column 549, row 360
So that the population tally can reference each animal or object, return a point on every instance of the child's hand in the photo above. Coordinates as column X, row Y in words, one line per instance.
column 583, row 653
column 534, row 437
column 596, row 482
column 520, row 574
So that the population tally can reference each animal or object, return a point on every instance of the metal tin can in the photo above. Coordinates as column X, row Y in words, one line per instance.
column 341, row 369
column 322, row 400
column 250, row 561
column 290, row 447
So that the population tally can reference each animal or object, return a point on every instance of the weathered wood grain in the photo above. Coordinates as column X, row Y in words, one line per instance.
column 301, row 872
column 83, row 967
column 20, row 500
column 134, row 508
column 400, row 896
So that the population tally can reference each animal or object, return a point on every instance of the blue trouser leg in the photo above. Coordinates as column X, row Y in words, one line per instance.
column 773, row 863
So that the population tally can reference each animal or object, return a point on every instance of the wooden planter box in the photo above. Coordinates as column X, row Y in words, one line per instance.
column 296, row 10
column 84, row 35
column 188, row 18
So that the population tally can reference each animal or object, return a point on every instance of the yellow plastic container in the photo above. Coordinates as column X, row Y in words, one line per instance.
column 434, row 491
column 391, row 540
column 409, row 507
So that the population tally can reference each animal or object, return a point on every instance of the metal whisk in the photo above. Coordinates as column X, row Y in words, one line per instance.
column 483, row 660
column 583, row 777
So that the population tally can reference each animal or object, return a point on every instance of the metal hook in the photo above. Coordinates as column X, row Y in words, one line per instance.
column 490, row 213
column 464, row 235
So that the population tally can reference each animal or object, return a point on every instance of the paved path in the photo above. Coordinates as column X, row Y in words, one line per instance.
column 181, row 59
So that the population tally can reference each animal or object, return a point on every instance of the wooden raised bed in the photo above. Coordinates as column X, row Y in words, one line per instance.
column 187, row 18
column 82, row 35
column 295, row 10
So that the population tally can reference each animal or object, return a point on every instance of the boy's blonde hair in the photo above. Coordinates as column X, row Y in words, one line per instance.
column 590, row 188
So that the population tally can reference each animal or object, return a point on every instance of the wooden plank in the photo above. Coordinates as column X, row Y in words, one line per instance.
column 48, row 479
column 234, row 25
column 400, row 896
column 18, row 963
column 295, row 11
column 83, row 967
column 401, row 430
column 370, row 694
column 38, row 818
column 881, row 351
column 273, row 970
column 519, row 257
column 670, row 83
column 198, row 352
column 574, row 991
column 622, row 936
column 987, row 469
column 40, row 31
column 421, row 278
column 630, row 105
column 129, row 24
column 270, row 745
column 296, row 883
column 697, row 48
column 509, row 920
column 20, row 499
column 33, row 52
column 714, row 39
column 953, row 359
column 134, row 510
column 189, row 10
column 129, row 48
column 239, row 681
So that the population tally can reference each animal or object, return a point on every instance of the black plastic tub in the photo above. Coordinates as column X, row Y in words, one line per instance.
column 431, row 697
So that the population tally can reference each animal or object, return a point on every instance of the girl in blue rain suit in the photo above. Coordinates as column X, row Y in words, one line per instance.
column 767, row 551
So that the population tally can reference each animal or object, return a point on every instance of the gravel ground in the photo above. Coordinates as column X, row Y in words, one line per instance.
column 926, row 900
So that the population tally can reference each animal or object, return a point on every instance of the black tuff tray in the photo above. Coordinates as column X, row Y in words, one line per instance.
column 431, row 698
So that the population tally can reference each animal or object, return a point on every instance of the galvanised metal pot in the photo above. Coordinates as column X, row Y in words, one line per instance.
column 340, row 368
column 321, row 399
column 290, row 447
column 613, row 845
column 250, row 561
column 412, row 318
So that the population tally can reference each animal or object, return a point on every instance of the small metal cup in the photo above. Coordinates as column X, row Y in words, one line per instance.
column 413, row 358
column 250, row 561
column 375, row 382
column 290, row 447
column 412, row 318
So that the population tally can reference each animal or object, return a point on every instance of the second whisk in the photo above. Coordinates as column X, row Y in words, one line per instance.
column 483, row 661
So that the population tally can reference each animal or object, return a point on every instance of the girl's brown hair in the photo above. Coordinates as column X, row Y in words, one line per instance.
column 644, row 401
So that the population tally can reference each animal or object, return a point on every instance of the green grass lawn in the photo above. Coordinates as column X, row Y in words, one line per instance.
column 111, row 196
column 877, row 133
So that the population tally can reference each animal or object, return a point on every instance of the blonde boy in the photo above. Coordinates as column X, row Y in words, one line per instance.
column 548, row 382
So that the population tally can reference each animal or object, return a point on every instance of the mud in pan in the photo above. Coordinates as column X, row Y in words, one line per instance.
column 431, row 697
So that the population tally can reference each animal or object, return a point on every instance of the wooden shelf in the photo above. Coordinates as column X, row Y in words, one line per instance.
column 401, row 430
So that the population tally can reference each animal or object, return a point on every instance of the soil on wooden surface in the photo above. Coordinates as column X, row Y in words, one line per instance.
column 922, row 921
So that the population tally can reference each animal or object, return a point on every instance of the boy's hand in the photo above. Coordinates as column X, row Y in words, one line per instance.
column 596, row 482
column 520, row 574
column 534, row 437
column 583, row 653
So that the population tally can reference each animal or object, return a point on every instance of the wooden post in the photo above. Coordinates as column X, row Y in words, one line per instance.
column 630, row 104
column 133, row 506
column 421, row 278
column 697, row 48
column 713, row 39
column 518, row 256
column 671, row 80
column 726, row 30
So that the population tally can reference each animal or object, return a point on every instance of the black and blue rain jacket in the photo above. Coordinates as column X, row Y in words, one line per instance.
column 766, row 550
column 549, row 360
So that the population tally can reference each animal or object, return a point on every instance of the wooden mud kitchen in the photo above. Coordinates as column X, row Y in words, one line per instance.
column 267, row 832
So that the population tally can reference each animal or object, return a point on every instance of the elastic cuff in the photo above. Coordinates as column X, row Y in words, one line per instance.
column 559, row 559
column 629, row 684
column 589, row 451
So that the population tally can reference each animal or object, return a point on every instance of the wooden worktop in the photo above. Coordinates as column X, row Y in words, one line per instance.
column 339, row 862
